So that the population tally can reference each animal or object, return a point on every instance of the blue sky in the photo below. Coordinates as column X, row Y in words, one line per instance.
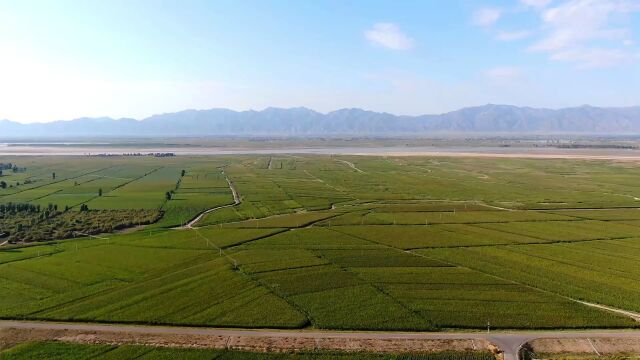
column 66, row 59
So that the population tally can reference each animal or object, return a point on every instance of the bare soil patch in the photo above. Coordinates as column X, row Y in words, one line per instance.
column 10, row 337
column 592, row 346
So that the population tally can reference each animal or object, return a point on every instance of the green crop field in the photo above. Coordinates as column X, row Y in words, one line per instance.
column 390, row 243
column 65, row 351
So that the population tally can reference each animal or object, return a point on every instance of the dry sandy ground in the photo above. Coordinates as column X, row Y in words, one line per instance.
column 589, row 347
column 515, row 155
column 10, row 337
column 486, row 152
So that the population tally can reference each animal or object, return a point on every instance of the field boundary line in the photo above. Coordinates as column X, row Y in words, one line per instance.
column 59, row 181
column 555, row 242
column 120, row 186
column 306, row 225
column 157, row 274
column 56, row 251
column 601, row 307
column 382, row 291
column 575, row 264
column 328, row 185
column 266, row 236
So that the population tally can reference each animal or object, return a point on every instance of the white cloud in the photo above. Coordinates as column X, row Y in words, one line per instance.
column 390, row 36
column 513, row 35
column 536, row 3
column 486, row 16
column 573, row 26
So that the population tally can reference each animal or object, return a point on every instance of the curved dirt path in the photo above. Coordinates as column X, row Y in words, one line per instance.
column 351, row 165
column 236, row 201
column 634, row 315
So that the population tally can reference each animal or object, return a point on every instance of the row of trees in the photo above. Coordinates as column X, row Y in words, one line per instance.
column 12, row 207
column 19, row 207
column 12, row 167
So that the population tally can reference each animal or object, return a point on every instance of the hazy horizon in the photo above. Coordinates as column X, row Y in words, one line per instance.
column 121, row 59
column 314, row 110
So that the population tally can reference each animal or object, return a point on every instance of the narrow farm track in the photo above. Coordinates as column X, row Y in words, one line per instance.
column 508, row 342
column 351, row 165
column 634, row 315
column 236, row 201
column 497, row 207
column 327, row 184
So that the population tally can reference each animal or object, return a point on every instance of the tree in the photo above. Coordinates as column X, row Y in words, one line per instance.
column 100, row 192
column 183, row 172
column 3, row 184
column 53, row 175
column 167, row 195
column 1, row 172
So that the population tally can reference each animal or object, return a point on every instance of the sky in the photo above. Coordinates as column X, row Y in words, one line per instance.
column 135, row 58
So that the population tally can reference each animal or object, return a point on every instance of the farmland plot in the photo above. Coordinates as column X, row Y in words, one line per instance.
column 412, row 243
column 603, row 271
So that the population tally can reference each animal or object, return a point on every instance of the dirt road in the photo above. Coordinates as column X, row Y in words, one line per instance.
column 236, row 201
column 508, row 342
column 351, row 165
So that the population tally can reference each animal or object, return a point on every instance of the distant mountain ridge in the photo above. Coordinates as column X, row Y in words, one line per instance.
column 305, row 122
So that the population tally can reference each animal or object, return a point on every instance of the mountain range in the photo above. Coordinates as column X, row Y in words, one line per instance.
column 490, row 119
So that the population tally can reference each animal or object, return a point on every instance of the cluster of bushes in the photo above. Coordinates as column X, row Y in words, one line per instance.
column 31, row 225
column 16, row 217
column 15, row 169
column 12, row 167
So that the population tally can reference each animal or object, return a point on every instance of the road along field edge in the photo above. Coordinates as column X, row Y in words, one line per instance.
column 13, row 333
column 507, row 344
